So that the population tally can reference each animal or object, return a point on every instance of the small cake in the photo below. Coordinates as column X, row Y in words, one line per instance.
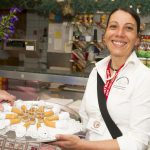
column 32, row 131
column 42, row 132
column 4, row 123
column 20, row 131
column 61, row 116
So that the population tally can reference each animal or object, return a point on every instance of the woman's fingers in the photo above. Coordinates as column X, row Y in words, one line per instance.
column 1, row 107
column 5, row 96
column 68, row 142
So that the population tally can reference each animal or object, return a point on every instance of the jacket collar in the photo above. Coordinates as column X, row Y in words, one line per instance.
column 102, row 65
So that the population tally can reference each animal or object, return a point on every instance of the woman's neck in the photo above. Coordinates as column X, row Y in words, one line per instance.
column 116, row 63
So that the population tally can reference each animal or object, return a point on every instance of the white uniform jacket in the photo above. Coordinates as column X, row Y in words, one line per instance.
column 128, row 104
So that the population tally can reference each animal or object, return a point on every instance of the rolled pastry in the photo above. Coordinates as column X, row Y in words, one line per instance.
column 60, row 124
column 40, row 119
column 15, row 121
column 11, row 116
column 40, row 109
column 23, row 108
column 17, row 111
column 25, row 118
column 27, row 124
column 61, row 116
column 52, row 118
column 49, row 123
column 7, row 122
column 48, row 113
column 38, row 125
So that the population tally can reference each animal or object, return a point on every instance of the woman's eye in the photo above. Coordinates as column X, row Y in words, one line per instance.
column 112, row 26
column 129, row 28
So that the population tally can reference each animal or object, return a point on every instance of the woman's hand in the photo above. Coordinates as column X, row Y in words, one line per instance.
column 5, row 96
column 68, row 142
column 47, row 147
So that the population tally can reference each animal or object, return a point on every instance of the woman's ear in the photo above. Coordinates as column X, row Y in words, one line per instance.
column 138, row 42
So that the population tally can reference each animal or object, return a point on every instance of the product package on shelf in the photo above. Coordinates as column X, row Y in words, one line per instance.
column 143, row 51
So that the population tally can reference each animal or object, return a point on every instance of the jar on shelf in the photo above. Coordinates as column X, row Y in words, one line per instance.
column 148, row 62
column 143, row 60
column 3, row 83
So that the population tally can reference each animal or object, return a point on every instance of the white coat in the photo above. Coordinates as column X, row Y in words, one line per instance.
column 128, row 104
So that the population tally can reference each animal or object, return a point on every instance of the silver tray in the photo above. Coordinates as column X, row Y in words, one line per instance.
column 12, row 135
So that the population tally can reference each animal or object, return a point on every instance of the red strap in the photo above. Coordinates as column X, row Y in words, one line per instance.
column 110, row 81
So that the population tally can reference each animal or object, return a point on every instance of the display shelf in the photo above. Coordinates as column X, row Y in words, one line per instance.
column 44, row 75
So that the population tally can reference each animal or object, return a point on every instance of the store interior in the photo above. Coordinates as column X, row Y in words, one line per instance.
column 56, row 44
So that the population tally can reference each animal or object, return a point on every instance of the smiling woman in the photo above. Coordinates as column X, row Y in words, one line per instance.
column 125, row 94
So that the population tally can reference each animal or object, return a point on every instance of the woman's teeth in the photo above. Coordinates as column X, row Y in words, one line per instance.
column 119, row 43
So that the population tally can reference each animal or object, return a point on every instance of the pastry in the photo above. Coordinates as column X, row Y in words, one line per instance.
column 11, row 116
column 24, row 108
column 48, row 113
column 61, row 116
column 38, row 125
column 17, row 111
column 20, row 131
column 58, row 124
column 42, row 132
column 14, row 121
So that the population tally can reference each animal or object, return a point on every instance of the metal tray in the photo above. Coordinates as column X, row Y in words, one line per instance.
column 12, row 135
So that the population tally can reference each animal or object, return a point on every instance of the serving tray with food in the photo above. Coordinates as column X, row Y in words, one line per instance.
column 37, row 121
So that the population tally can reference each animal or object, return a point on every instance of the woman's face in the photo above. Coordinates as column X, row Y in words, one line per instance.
column 121, row 34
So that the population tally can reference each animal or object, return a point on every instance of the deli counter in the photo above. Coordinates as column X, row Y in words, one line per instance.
column 27, row 66
column 43, row 75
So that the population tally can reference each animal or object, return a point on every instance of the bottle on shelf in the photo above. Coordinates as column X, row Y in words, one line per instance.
column 3, row 83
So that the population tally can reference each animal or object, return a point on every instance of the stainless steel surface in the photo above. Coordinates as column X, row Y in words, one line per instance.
column 45, row 76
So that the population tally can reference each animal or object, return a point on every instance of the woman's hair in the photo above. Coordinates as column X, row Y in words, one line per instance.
column 131, row 12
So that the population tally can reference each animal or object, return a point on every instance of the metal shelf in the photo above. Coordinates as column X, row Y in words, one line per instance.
column 45, row 77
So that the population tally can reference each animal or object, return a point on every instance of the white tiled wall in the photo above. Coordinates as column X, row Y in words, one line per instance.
column 35, row 29
column 36, row 23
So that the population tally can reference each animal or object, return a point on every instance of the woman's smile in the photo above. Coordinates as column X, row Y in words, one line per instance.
column 118, row 43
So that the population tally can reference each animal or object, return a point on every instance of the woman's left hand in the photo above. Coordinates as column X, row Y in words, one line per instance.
column 5, row 96
column 67, row 142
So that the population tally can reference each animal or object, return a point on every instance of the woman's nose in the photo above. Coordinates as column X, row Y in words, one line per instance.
column 120, row 32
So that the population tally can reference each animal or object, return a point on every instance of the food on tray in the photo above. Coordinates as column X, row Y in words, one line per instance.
column 37, row 119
